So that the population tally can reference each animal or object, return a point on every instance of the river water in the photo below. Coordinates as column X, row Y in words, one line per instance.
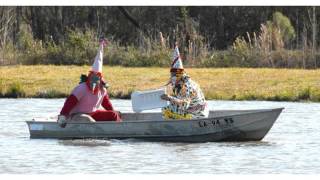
column 291, row 146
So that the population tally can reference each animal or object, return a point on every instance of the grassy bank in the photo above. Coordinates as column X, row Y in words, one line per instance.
column 221, row 83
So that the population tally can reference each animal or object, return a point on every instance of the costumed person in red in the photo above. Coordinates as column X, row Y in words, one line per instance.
column 88, row 98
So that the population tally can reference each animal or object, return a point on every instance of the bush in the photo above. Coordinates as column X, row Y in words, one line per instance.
column 218, row 59
column 134, row 57
column 2, row 88
column 30, row 51
column 284, row 25
column 79, row 48
column 16, row 91
column 305, row 94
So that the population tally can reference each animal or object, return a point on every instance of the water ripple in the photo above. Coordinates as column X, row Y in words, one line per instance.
column 291, row 146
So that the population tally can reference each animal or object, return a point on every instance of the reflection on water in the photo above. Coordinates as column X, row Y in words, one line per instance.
column 85, row 142
column 247, row 144
column 291, row 146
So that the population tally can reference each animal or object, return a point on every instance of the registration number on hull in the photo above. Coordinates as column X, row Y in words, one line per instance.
column 216, row 122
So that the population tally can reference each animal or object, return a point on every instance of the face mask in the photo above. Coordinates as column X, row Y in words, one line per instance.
column 94, row 82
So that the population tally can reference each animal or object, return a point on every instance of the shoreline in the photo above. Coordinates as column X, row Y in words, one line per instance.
column 262, row 84
column 115, row 98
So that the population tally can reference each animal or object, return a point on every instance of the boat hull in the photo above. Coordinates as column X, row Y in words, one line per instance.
column 250, row 125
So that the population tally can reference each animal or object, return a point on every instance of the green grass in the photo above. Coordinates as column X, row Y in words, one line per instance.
column 48, row 81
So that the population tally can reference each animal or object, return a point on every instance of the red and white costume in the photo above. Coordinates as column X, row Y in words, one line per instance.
column 82, row 100
column 93, row 101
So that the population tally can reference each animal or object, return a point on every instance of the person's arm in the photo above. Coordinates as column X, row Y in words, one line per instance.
column 182, row 101
column 106, row 103
column 69, row 104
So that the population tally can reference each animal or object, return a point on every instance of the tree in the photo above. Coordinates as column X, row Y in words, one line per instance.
column 6, row 21
column 283, row 24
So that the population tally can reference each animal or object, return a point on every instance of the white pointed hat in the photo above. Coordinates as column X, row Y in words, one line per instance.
column 176, row 64
column 98, row 60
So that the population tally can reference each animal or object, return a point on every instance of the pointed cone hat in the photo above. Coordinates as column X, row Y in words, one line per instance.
column 176, row 65
column 98, row 60
column 96, row 67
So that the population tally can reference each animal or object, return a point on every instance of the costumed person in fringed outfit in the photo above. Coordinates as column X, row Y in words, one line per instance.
column 87, row 99
column 187, row 100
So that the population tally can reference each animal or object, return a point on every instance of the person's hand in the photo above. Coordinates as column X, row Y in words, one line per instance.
column 165, row 97
column 62, row 121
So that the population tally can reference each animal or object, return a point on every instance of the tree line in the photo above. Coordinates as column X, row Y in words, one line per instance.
column 210, row 36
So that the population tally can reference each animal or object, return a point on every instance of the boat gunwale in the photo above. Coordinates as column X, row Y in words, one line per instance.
column 255, row 111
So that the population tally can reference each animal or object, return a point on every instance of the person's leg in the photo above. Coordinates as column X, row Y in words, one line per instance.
column 82, row 118
column 168, row 114
column 105, row 115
